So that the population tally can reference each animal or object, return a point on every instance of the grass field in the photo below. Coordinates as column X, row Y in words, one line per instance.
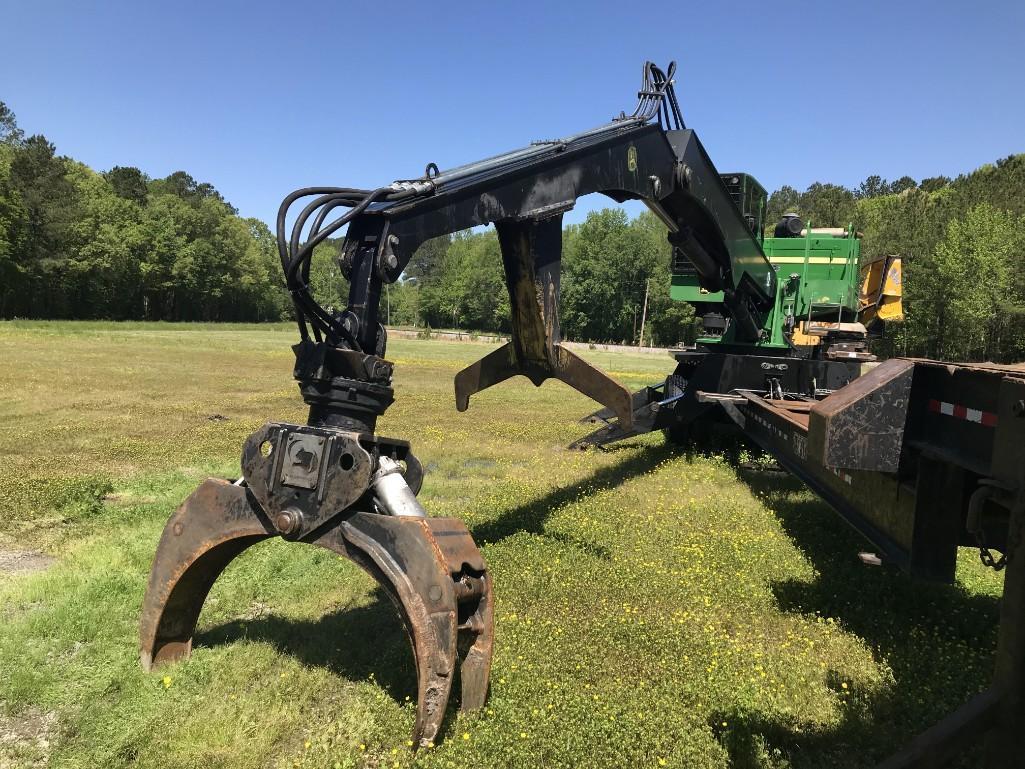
column 654, row 608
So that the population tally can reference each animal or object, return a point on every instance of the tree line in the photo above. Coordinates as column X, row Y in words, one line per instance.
column 75, row 243
column 962, row 242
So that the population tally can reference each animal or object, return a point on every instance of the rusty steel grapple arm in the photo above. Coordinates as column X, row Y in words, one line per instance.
column 352, row 494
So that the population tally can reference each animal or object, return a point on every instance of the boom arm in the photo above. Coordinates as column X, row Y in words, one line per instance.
column 524, row 193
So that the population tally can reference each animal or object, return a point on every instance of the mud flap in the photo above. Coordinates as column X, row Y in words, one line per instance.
column 429, row 567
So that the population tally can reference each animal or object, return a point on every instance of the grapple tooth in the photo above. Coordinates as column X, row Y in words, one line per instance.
column 216, row 523
column 422, row 562
column 429, row 567
column 475, row 608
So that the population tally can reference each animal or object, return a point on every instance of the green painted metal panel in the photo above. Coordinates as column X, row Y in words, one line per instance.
column 685, row 288
column 817, row 273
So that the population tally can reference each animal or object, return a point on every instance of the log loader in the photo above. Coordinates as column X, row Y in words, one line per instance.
column 921, row 457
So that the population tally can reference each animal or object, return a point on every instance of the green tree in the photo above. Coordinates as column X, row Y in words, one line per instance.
column 972, row 292
column 51, row 207
column 460, row 283
column 275, row 301
column 933, row 183
column 785, row 200
column 13, row 217
column 427, row 260
column 903, row 184
column 478, row 281
column 607, row 264
column 187, row 188
column 101, row 272
column 9, row 131
column 873, row 187
column 669, row 322
column 13, row 232
column 327, row 283
column 827, row 205
column 128, row 182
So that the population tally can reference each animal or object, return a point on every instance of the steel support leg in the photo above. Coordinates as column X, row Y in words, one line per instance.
column 1006, row 745
column 939, row 519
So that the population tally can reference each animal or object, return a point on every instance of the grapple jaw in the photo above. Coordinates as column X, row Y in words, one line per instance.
column 317, row 486
column 531, row 256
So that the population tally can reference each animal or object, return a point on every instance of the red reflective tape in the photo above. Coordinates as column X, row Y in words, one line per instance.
column 956, row 410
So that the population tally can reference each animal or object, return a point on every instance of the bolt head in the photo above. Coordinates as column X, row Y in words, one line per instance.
column 288, row 522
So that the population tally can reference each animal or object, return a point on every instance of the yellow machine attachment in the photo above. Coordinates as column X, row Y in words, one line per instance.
column 881, row 292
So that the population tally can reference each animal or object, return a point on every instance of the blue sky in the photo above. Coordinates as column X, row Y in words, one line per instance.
column 259, row 98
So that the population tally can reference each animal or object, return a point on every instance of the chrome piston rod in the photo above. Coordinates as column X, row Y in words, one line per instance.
column 392, row 494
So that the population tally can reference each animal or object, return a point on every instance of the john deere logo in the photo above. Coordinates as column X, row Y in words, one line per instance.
column 631, row 159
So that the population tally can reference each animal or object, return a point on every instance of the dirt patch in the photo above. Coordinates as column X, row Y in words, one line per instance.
column 257, row 610
column 23, row 561
column 25, row 739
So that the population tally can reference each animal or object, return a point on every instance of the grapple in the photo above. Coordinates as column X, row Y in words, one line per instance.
column 353, row 494
column 532, row 258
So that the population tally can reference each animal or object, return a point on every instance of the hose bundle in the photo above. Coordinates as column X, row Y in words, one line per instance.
column 658, row 97
column 296, row 251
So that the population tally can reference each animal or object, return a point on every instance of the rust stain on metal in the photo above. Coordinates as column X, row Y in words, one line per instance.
column 430, row 568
